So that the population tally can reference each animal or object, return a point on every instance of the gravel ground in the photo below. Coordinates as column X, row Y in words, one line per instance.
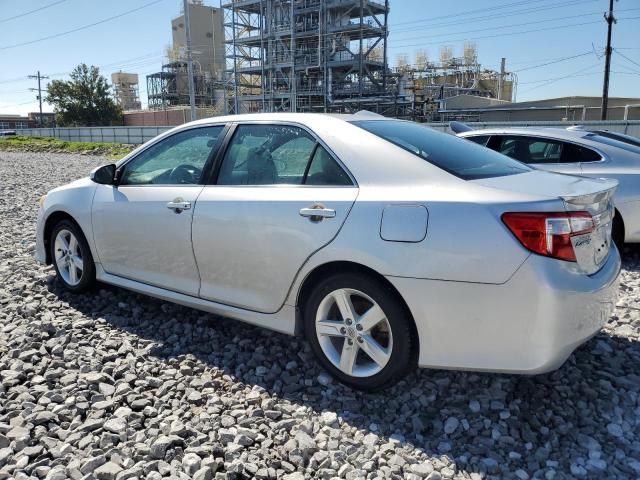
column 113, row 385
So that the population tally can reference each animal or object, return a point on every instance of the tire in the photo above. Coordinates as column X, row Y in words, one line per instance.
column 617, row 231
column 390, row 340
column 72, row 260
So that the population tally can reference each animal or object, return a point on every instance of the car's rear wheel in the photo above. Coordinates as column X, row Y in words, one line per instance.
column 72, row 257
column 617, row 231
column 360, row 331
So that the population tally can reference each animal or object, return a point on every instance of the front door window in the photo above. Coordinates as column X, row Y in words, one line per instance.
column 176, row 160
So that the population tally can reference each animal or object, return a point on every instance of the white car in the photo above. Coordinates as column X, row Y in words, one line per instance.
column 576, row 151
column 386, row 243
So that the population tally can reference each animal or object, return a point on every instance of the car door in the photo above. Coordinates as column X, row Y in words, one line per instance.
column 539, row 152
column 279, row 196
column 142, row 226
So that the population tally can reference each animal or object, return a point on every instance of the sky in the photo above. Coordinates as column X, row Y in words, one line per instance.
column 555, row 47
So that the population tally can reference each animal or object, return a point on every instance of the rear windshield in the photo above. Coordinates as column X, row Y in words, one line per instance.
column 616, row 140
column 459, row 157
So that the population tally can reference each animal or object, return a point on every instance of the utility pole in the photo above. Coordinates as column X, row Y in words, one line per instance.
column 607, row 63
column 39, row 89
column 187, row 26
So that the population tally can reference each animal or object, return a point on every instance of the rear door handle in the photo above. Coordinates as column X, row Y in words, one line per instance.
column 316, row 214
column 178, row 206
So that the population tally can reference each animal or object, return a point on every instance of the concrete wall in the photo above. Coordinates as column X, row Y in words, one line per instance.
column 137, row 135
column 133, row 135
column 556, row 114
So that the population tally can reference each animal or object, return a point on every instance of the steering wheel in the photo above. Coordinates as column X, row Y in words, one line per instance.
column 185, row 173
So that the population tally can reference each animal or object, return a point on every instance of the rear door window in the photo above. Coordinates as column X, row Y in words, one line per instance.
column 537, row 150
column 278, row 155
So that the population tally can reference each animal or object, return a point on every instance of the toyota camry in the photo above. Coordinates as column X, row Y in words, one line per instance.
column 385, row 243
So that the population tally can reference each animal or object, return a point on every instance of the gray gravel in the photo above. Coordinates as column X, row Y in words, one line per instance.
column 113, row 385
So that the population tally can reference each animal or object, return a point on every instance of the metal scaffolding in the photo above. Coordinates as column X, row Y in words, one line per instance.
column 304, row 55
column 168, row 87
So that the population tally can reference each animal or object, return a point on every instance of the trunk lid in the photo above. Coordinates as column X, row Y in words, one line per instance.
column 592, row 249
column 593, row 195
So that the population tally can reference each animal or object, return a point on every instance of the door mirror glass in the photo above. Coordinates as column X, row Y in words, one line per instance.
column 104, row 175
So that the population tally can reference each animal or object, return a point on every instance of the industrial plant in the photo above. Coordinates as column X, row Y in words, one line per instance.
column 308, row 56
column 126, row 90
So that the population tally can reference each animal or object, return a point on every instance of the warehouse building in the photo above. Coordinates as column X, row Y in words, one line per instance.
column 477, row 109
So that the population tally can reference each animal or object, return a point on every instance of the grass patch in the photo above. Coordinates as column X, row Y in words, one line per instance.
column 47, row 144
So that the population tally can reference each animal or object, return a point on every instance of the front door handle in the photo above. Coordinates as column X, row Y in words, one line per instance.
column 317, row 213
column 178, row 205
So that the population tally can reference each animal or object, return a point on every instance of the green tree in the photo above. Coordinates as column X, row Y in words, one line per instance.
column 84, row 100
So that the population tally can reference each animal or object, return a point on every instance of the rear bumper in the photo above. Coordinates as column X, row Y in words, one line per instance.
column 530, row 324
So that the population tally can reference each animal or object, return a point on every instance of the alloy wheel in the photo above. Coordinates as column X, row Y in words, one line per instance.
column 68, row 257
column 353, row 332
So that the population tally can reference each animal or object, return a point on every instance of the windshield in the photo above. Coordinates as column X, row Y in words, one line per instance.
column 461, row 158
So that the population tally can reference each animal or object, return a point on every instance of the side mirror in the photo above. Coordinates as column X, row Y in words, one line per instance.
column 105, row 175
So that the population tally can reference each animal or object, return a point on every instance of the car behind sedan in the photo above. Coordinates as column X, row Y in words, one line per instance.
column 576, row 151
column 385, row 243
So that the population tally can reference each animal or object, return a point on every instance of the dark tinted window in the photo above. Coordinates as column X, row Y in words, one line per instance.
column 609, row 139
column 479, row 139
column 581, row 154
column 450, row 153
column 324, row 170
column 536, row 150
column 619, row 136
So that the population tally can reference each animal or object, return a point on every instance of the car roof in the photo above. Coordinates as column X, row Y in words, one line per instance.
column 303, row 118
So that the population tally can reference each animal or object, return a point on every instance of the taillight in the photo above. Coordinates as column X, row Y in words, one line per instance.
column 549, row 234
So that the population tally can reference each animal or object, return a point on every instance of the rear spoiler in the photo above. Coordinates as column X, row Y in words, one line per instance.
column 459, row 127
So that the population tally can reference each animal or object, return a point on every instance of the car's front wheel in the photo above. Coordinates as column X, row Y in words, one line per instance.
column 72, row 257
column 360, row 331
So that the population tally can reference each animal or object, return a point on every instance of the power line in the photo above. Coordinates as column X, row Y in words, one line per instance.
column 625, row 73
column 497, row 35
column 538, row 8
column 13, row 80
column 15, row 104
column 546, row 20
column 625, row 57
column 549, row 81
column 470, row 12
column 553, row 62
column 84, row 27
column 134, row 62
column 31, row 11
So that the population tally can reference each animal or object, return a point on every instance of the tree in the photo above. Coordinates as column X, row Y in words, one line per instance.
column 84, row 100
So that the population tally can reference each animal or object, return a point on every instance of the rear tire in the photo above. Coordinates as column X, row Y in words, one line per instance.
column 71, row 257
column 360, row 332
column 617, row 231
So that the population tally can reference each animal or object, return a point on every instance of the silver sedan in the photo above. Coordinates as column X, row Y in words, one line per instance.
column 577, row 151
column 387, row 244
